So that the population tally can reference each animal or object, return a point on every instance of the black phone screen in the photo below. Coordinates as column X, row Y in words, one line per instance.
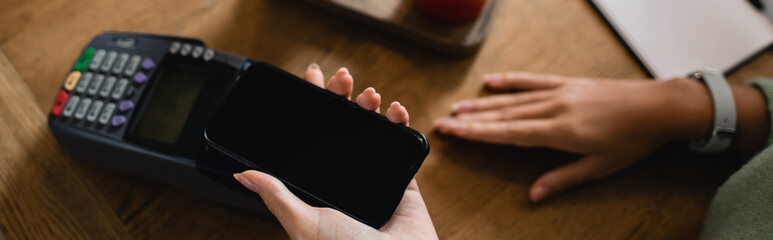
column 351, row 159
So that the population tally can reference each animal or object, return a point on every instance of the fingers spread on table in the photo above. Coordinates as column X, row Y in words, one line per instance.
column 369, row 99
column 527, row 111
column 314, row 75
column 522, row 81
column 590, row 167
column 341, row 83
column 526, row 133
column 500, row 101
column 559, row 179
column 288, row 208
column 397, row 113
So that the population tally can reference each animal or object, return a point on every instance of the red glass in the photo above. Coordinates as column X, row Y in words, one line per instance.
column 450, row 11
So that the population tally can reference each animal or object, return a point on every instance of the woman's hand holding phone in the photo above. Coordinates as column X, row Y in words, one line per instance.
column 411, row 220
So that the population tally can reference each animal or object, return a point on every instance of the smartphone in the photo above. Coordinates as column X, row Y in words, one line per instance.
column 326, row 149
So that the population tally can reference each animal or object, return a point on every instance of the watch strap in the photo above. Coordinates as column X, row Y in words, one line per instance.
column 724, row 112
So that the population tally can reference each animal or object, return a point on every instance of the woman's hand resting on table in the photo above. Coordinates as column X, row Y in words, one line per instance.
column 302, row 221
column 613, row 124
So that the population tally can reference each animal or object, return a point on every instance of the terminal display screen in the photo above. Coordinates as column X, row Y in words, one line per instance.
column 168, row 107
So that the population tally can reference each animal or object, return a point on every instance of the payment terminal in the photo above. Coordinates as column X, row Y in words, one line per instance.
column 139, row 104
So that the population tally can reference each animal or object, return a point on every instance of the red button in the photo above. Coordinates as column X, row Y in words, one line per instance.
column 60, row 101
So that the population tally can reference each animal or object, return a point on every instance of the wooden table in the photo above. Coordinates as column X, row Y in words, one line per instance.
column 473, row 190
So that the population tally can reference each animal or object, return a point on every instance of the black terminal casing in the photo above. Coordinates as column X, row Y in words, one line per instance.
column 192, row 167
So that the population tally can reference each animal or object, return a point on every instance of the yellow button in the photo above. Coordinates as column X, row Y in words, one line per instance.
column 72, row 80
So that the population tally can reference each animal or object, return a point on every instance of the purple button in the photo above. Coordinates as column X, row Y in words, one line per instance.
column 148, row 64
column 118, row 120
column 140, row 78
column 125, row 105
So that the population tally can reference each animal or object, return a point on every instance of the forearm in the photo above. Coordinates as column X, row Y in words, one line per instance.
column 752, row 126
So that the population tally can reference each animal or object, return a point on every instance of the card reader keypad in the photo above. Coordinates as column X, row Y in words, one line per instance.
column 102, row 91
column 101, row 94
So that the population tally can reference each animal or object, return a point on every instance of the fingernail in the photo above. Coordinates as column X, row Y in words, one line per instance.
column 462, row 106
column 244, row 181
column 493, row 78
column 459, row 126
column 441, row 124
column 313, row 66
column 540, row 193
column 373, row 90
column 396, row 102
column 346, row 70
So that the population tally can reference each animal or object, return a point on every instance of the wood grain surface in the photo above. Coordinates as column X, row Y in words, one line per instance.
column 43, row 193
column 473, row 190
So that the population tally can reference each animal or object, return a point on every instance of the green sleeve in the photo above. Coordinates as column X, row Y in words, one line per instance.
column 766, row 86
column 743, row 205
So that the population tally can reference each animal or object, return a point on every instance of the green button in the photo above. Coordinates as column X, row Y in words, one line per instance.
column 84, row 60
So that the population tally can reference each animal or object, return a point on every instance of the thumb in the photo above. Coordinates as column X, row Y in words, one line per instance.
column 569, row 175
column 288, row 208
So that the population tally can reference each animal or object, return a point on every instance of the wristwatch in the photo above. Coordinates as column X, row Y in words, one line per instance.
column 724, row 112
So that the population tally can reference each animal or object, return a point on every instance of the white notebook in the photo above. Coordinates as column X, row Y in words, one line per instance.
column 672, row 38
